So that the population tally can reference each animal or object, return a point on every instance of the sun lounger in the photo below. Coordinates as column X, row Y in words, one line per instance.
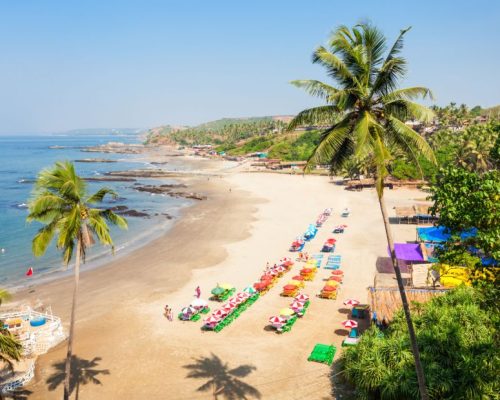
column 350, row 342
column 323, row 353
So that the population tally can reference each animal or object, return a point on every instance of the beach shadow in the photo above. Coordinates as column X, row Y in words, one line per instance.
column 83, row 372
column 346, row 311
column 221, row 380
column 19, row 394
column 384, row 266
column 269, row 328
column 341, row 332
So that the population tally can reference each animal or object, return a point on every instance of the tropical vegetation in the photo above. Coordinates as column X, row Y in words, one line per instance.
column 468, row 201
column 10, row 348
column 365, row 113
column 61, row 203
column 458, row 335
column 227, row 131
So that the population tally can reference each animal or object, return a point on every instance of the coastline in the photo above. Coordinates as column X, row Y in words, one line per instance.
column 228, row 237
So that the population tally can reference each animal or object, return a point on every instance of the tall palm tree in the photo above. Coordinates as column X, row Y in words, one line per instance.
column 365, row 116
column 61, row 202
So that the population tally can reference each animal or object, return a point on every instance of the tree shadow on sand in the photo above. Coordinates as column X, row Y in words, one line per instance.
column 18, row 394
column 222, row 381
column 83, row 372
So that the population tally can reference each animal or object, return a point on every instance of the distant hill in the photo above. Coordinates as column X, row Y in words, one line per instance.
column 225, row 130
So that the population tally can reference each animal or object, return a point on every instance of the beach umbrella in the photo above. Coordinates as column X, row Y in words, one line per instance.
column 306, row 270
column 220, row 313
column 302, row 297
column 329, row 288
column 290, row 287
column 335, row 278
column 277, row 320
column 228, row 307
column 337, row 272
column 286, row 312
column 249, row 290
column 349, row 323
column 287, row 263
column 295, row 283
column 298, row 278
column 266, row 277
column 217, row 291
column 226, row 286
column 198, row 303
column 332, row 283
column 351, row 302
column 297, row 304
column 211, row 320
column 280, row 268
column 188, row 310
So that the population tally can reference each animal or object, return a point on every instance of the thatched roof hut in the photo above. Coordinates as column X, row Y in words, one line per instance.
column 385, row 301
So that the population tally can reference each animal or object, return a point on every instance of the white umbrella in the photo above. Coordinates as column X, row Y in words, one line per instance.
column 199, row 303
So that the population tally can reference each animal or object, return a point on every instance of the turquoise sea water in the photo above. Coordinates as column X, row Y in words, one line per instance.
column 22, row 157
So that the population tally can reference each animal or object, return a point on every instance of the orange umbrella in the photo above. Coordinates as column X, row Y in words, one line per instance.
column 328, row 288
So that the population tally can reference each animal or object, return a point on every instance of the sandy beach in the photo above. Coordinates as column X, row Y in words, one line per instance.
column 124, row 341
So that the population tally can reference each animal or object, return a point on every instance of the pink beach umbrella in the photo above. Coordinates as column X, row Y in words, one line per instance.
column 277, row 320
column 302, row 297
column 211, row 320
column 221, row 313
column 349, row 323
column 228, row 307
column 297, row 305
column 351, row 302
column 243, row 295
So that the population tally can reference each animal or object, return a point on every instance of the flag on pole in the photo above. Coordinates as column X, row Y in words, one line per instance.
column 29, row 272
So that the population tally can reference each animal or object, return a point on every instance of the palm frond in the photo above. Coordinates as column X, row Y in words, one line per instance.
column 392, row 69
column 416, row 143
column 99, row 196
column 411, row 93
column 332, row 140
column 42, row 239
column 319, row 89
column 335, row 67
column 313, row 116
column 405, row 110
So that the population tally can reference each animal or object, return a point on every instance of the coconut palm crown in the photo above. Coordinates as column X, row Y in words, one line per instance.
column 61, row 203
column 365, row 112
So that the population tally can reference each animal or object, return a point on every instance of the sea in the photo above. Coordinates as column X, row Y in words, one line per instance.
column 21, row 159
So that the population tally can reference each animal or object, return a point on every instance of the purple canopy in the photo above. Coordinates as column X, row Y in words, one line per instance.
column 409, row 252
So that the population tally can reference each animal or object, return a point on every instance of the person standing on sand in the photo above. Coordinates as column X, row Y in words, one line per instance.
column 198, row 292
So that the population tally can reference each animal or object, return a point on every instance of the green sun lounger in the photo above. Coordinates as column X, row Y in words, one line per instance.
column 323, row 353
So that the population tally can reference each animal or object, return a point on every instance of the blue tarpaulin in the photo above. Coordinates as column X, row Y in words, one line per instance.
column 440, row 234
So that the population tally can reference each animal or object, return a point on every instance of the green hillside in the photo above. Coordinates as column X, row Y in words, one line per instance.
column 228, row 131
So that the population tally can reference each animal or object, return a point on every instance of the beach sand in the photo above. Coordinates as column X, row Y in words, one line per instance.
column 249, row 219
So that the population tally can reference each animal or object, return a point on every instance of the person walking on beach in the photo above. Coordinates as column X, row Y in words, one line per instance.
column 197, row 292
column 170, row 315
column 166, row 310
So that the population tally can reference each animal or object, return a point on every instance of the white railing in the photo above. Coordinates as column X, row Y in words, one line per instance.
column 20, row 381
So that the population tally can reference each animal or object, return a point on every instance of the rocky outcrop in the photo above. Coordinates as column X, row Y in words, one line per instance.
column 95, row 160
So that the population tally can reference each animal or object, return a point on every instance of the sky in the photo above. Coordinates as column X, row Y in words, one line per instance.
column 139, row 64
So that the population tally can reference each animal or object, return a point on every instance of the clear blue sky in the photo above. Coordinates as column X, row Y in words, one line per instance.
column 68, row 64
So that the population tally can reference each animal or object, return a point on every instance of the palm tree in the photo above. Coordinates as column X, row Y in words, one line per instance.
column 365, row 114
column 60, row 202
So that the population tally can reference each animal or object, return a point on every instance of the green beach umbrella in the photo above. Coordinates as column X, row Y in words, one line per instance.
column 217, row 291
column 250, row 290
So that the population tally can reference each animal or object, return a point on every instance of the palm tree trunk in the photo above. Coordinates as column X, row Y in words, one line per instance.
column 413, row 339
column 69, row 354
